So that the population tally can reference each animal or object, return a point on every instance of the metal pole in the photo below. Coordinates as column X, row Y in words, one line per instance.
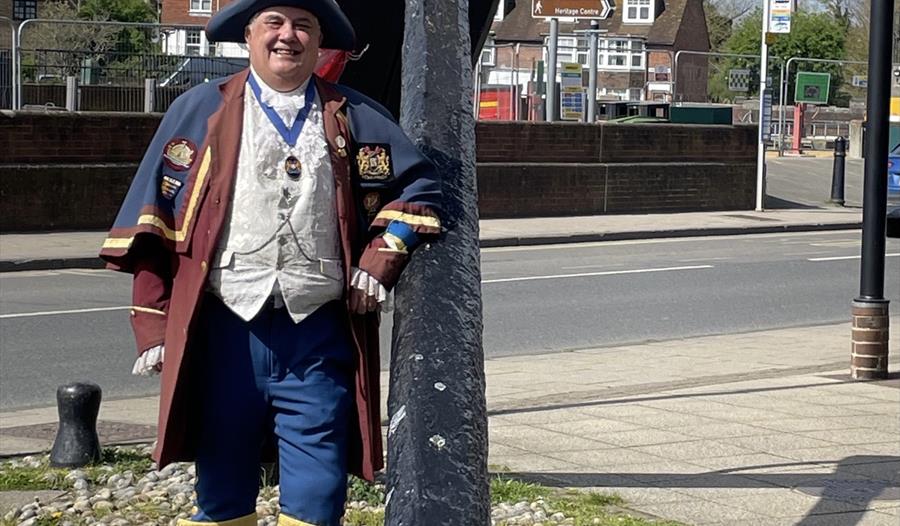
column 781, row 119
column 149, row 95
column 518, row 101
column 437, row 439
column 761, row 147
column 592, row 73
column 871, row 322
column 71, row 93
column 476, row 100
column 552, row 103
column 12, row 62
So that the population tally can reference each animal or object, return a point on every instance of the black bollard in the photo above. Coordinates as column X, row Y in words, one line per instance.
column 76, row 441
column 837, row 173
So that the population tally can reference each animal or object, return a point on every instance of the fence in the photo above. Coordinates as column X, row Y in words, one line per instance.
column 111, row 62
column 511, row 79
column 7, row 63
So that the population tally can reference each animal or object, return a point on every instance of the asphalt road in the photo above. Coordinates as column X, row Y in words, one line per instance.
column 805, row 182
column 59, row 326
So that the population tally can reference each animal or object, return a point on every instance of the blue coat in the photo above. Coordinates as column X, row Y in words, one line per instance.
column 169, row 225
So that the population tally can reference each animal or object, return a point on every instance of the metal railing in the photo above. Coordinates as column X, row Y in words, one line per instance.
column 784, row 81
column 111, row 62
column 8, row 65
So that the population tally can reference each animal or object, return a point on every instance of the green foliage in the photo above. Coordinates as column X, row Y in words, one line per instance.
column 44, row 477
column 361, row 490
column 505, row 489
column 118, row 10
column 719, row 26
column 813, row 35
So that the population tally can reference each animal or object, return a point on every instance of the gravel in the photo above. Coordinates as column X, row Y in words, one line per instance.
column 161, row 497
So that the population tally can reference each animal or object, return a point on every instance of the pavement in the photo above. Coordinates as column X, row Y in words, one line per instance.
column 761, row 428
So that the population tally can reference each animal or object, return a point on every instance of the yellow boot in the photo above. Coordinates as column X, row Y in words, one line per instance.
column 246, row 520
column 287, row 520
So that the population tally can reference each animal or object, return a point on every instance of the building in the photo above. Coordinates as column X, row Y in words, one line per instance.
column 636, row 56
column 192, row 41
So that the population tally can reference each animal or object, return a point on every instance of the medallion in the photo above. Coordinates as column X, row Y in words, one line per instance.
column 293, row 167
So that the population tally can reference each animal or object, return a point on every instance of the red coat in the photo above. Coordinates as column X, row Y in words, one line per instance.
column 168, row 241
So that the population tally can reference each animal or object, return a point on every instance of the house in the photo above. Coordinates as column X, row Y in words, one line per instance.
column 636, row 56
column 192, row 41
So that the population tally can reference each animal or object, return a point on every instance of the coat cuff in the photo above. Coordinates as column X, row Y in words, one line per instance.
column 149, row 327
column 383, row 263
column 420, row 219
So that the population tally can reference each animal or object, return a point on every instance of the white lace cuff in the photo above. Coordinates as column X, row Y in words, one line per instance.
column 362, row 280
column 149, row 361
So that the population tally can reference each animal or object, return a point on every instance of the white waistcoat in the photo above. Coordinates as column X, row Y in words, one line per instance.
column 281, row 236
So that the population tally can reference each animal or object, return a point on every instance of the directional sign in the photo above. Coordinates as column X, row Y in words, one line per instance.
column 780, row 16
column 571, row 8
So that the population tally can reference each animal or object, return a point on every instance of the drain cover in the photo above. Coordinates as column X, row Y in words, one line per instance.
column 851, row 490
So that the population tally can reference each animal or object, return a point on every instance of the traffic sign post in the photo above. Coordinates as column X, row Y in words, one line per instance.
column 554, row 10
column 812, row 88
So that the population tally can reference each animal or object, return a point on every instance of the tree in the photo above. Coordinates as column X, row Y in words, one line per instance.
column 117, row 10
column 721, row 15
column 813, row 35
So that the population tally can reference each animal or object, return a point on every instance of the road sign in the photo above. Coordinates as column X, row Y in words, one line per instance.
column 812, row 88
column 779, row 16
column 571, row 98
column 739, row 80
column 766, row 116
column 860, row 81
column 571, row 9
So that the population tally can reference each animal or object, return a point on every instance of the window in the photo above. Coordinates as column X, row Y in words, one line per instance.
column 638, row 11
column 192, row 43
column 201, row 6
column 24, row 9
column 567, row 50
column 637, row 61
column 488, row 54
column 501, row 11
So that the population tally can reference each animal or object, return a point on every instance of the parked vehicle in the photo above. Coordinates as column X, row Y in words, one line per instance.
column 893, row 200
column 197, row 70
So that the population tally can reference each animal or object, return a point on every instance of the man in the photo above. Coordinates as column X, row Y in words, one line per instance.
column 270, row 215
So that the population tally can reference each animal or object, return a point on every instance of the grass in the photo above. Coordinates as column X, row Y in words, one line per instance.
column 112, row 461
column 585, row 508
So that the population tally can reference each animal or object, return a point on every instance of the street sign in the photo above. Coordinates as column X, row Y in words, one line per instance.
column 739, row 80
column 571, row 98
column 780, row 16
column 571, row 9
column 812, row 88
column 860, row 81
column 765, row 123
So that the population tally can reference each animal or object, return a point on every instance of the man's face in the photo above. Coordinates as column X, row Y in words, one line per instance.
column 284, row 45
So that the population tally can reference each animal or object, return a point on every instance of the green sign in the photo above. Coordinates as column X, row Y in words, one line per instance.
column 812, row 87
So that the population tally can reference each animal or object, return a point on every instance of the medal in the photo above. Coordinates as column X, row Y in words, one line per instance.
column 293, row 167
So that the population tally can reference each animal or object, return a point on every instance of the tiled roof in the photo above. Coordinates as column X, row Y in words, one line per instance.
column 519, row 26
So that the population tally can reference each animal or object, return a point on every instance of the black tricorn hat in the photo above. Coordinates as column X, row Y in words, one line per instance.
column 228, row 24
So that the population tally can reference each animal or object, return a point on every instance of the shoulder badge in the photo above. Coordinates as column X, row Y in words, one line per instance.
column 179, row 153
column 374, row 161
column 169, row 187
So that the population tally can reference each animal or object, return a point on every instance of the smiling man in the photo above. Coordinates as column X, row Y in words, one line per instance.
column 272, row 213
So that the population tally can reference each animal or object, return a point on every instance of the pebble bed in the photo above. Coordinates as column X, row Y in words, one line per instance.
column 161, row 497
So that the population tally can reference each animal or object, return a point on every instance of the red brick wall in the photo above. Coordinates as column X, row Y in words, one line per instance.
column 178, row 12
column 49, row 138
column 542, row 142
column 68, row 171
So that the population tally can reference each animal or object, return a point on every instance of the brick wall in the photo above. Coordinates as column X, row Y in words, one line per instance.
column 63, row 137
column 541, row 142
column 178, row 12
column 71, row 170
column 543, row 169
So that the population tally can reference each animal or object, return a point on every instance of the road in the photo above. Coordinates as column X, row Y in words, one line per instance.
column 59, row 326
column 805, row 182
